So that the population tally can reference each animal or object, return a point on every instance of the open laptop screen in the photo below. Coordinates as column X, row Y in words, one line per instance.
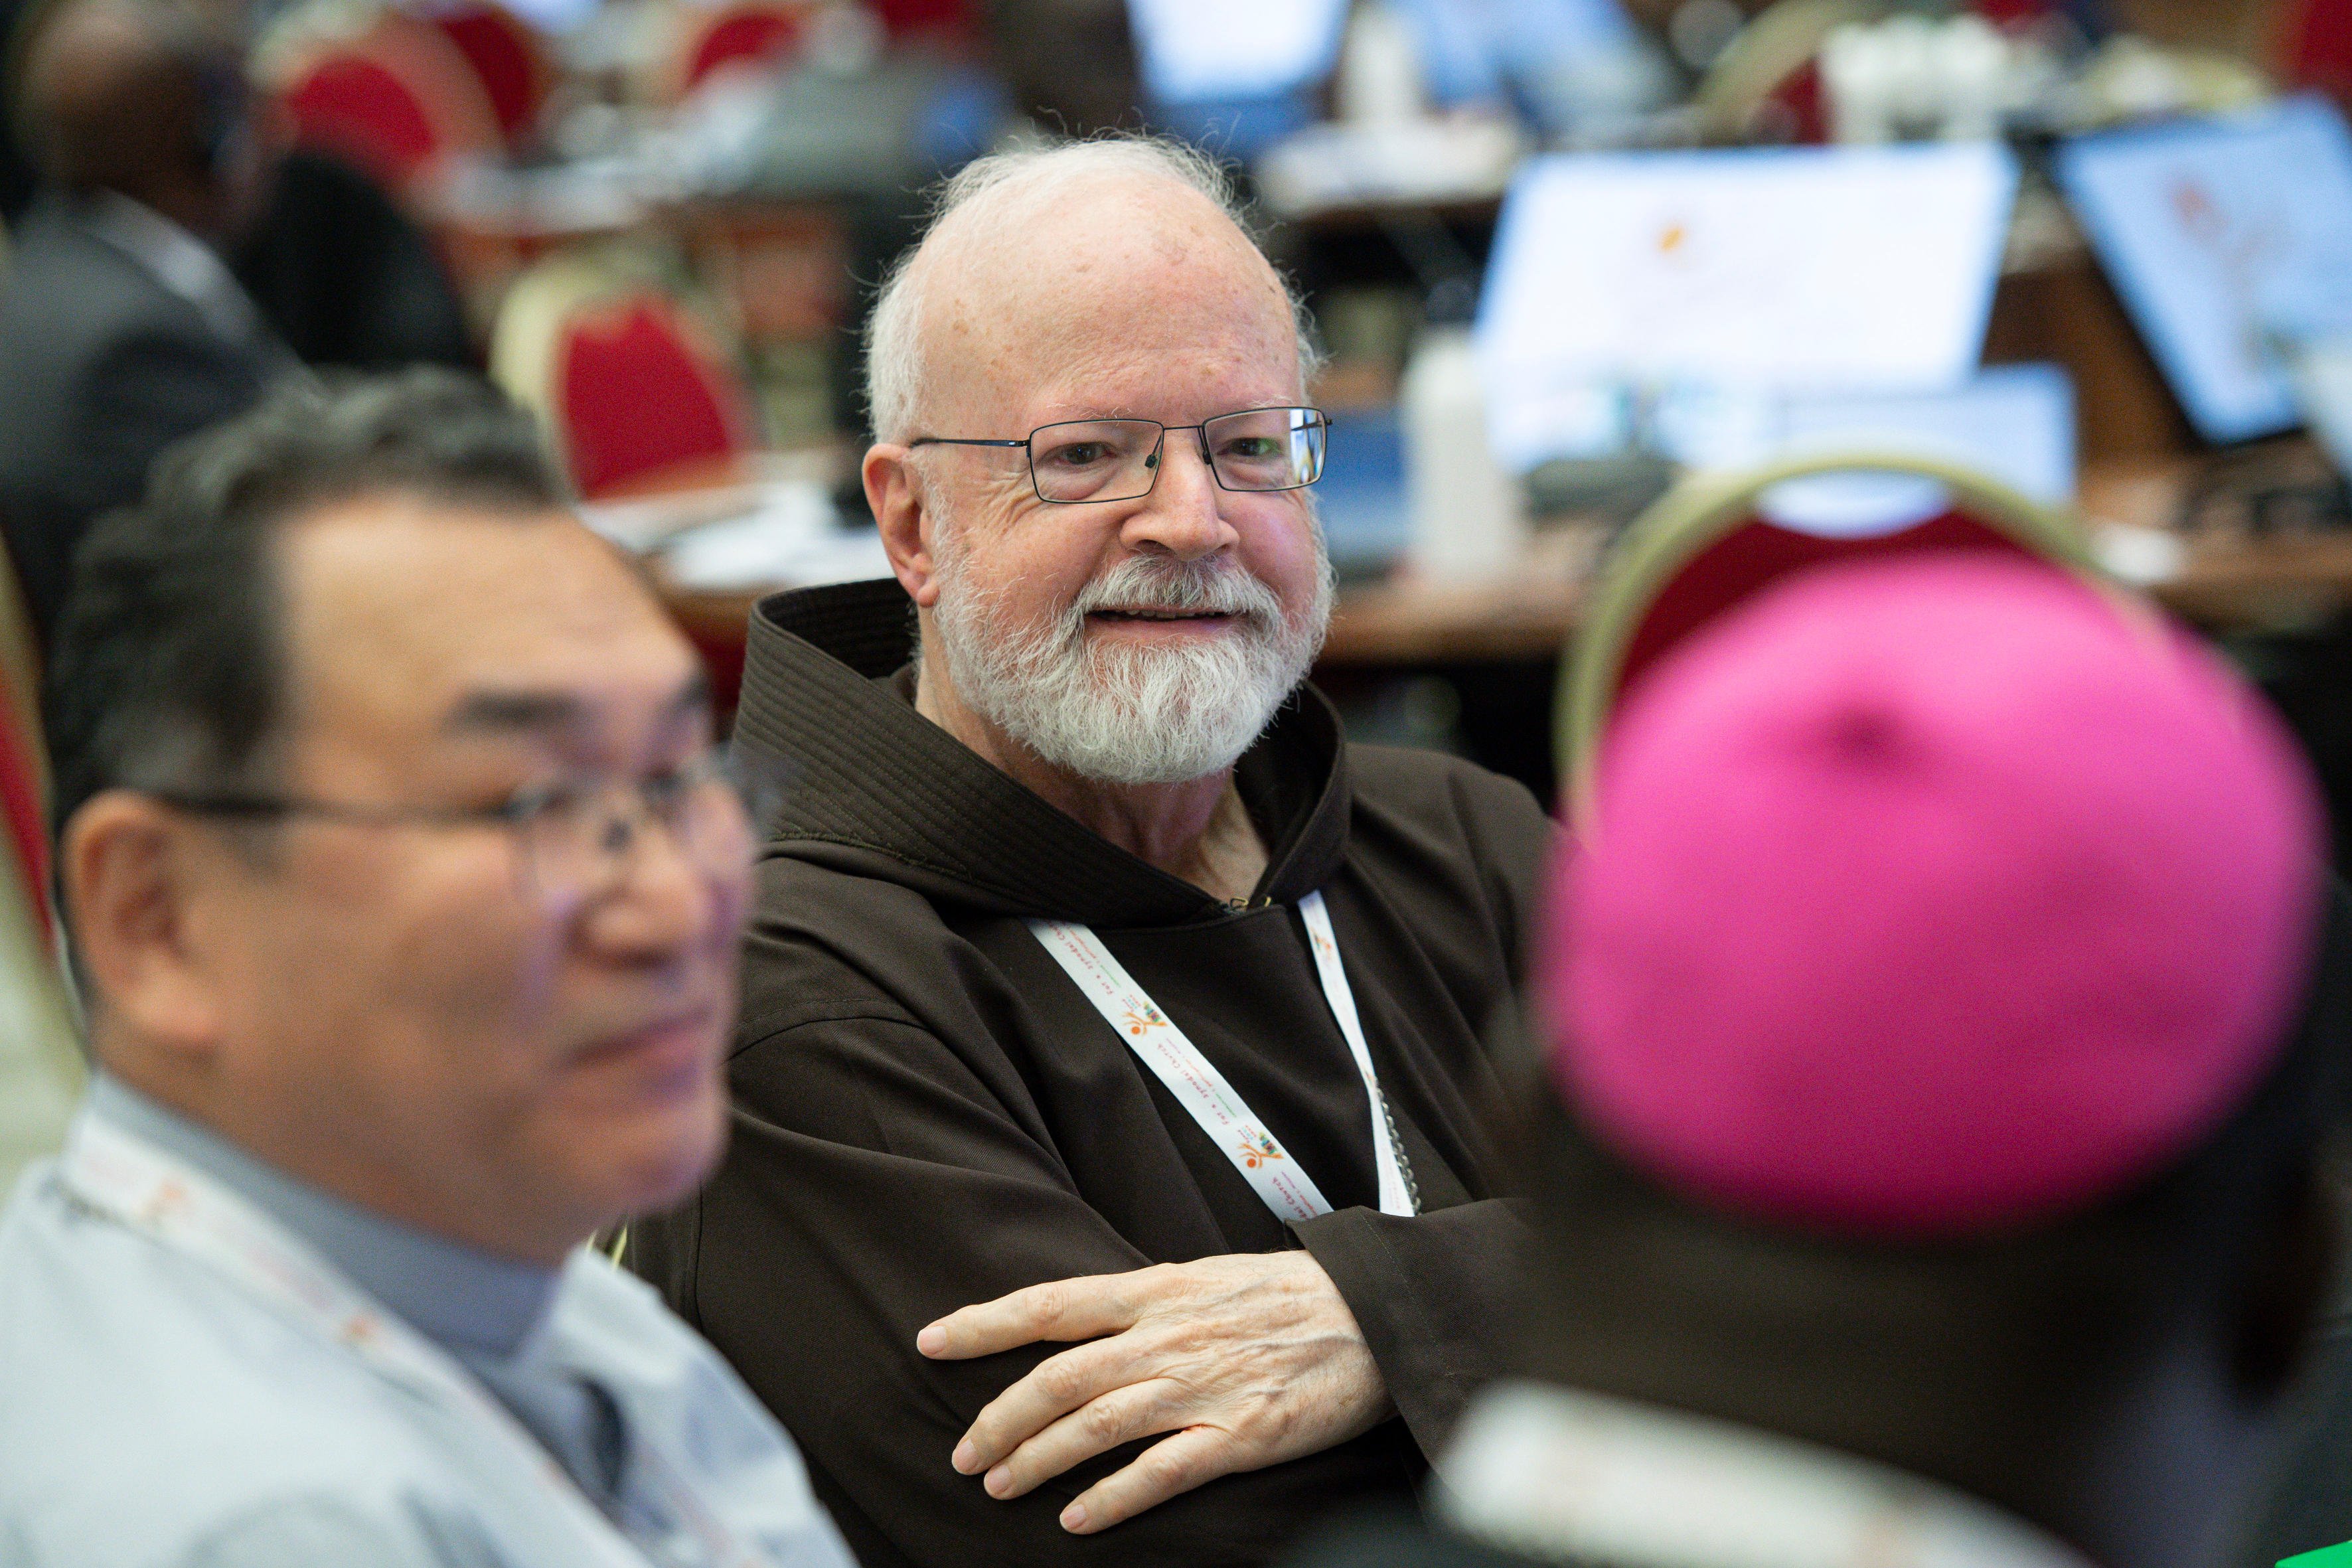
column 2222, row 234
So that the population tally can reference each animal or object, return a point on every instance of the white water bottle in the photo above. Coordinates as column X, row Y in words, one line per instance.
column 1469, row 516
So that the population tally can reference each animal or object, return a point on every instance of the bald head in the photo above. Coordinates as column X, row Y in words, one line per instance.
column 1044, row 269
column 115, row 100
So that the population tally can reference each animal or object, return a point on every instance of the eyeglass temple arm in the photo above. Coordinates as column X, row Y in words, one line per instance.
column 961, row 441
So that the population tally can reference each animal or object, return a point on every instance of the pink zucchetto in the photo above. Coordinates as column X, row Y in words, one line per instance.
column 1929, row 897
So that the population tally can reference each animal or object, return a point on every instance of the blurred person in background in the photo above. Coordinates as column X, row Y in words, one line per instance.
column 122, row 329
column 405, row 889
column 1101, row 815
column 1925, row 1168
column 346, row 277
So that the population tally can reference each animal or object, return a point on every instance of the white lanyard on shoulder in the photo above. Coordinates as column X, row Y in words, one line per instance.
column 1202, row 1091
column 132, row 1182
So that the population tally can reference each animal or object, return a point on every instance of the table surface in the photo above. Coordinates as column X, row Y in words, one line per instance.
column 2223, row 580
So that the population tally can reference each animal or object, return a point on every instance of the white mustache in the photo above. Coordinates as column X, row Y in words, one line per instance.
column 1145, row 583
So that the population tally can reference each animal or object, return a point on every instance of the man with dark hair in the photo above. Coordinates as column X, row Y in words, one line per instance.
column 122, row 329
column 405, row 889
column 1926, row 1169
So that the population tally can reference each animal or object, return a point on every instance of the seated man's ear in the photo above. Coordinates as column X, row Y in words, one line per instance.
column 128, row 868
column 2285, row 1291
column 896, row 493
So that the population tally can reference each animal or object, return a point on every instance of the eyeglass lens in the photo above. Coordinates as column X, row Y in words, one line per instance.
column 582, row 844
column 1118, row 460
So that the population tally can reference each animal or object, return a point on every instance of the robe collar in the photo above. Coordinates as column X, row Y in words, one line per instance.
column 872, row 787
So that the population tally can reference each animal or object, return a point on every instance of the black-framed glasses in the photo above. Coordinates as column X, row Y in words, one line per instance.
column 574, row 839
column 1075, row 461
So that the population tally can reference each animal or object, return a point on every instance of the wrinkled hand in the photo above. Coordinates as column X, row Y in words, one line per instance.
column 1249, row 1359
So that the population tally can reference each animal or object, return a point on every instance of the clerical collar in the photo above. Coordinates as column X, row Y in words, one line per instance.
column 466, row 1301
column 1563, row 1475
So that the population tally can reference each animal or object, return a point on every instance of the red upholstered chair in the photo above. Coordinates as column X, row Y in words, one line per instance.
column 749, row 32
column 22, row 787
column 23, row 759
column 1706, row 546
column 636, row 392
column 2317, row 46
column 507, row 61
column 399, row 100
column 905, row 16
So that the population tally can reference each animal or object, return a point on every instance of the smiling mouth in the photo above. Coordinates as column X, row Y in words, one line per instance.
column 675, row 1041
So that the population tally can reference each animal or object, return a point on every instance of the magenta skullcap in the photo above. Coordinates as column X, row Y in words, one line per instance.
column 1930, row 896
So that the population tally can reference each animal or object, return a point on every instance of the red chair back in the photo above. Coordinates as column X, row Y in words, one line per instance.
column 21, row 803
column 636, row 393
column 395, row 102
column 507, row 60
column 747, row 34
column 1757, row 554
column 904, row 17
column 2316, row 50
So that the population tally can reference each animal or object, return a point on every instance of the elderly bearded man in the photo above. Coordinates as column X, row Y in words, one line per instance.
column 1098, row 994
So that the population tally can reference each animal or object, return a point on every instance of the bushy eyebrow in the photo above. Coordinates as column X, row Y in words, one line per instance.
column 557, row 713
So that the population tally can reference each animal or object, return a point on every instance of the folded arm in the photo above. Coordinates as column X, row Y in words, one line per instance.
column 876, row 1185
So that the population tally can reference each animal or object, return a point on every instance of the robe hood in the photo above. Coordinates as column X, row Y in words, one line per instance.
column 873, row 788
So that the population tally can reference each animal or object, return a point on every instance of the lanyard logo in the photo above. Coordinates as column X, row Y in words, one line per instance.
column 1256, row 1148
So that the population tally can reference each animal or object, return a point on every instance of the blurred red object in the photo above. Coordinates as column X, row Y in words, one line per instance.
column 2317, row 46
column 398, row 101
column 903, row 17
column 2013, row 13
column 20, row 795
column 508, row 59
column 1757, row 552
column 753, row 32
column 1797, row 107
column 23, row 759
column 636, row 395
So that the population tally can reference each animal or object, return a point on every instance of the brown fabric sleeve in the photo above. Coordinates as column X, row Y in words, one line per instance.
column 873, row 1185
column 1432, row 1294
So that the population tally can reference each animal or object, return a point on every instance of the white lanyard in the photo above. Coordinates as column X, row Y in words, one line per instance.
column 143, row 1187
column 1202, row 1091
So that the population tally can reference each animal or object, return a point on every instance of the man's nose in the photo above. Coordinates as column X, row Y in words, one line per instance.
column 1183, row 514
column 660, row 900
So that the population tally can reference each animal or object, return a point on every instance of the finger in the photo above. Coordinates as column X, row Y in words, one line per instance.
column 1082, row 1309
column 1055, row 1387
column 1097, row 1426
column 1193, row 1456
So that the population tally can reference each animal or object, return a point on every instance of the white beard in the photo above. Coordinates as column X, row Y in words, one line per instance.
column 1124, row 714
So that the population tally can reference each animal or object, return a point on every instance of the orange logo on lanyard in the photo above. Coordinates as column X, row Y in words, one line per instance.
column 1257, row 1149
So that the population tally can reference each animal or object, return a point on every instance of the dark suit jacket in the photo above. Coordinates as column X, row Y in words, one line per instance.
column 101, row 367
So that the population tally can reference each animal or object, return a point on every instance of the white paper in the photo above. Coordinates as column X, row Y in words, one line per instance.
column 1192, row 50
column 773, row 534
column 795, row 541
column 1801, row 269
column 2220, row 234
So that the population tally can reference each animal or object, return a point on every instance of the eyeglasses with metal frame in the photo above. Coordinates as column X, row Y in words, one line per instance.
column 1075, row 461
column 574, row 837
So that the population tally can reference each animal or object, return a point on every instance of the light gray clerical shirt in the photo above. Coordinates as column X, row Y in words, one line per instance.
column 185, row 1383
